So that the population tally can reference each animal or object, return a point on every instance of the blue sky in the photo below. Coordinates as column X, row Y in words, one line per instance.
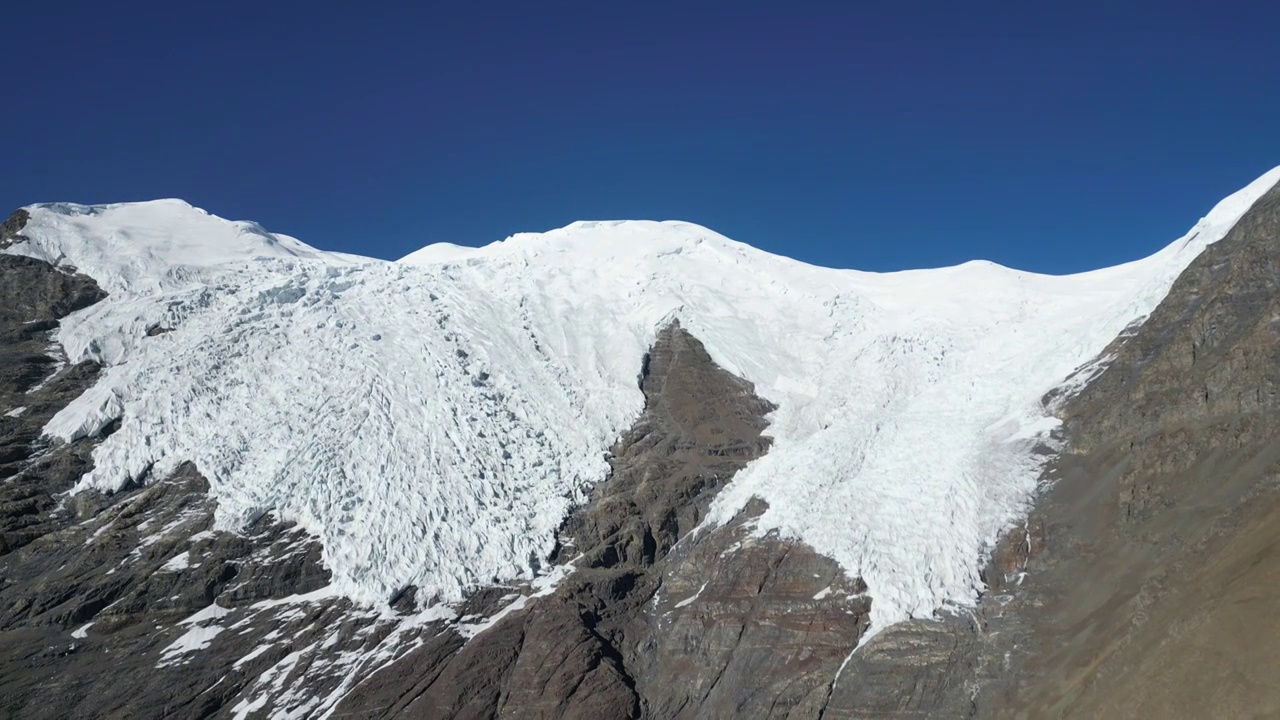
column 1051, row 137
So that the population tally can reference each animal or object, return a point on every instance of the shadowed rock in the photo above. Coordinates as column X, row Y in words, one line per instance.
column 11, row 228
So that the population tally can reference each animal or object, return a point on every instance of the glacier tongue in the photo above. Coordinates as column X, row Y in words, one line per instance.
column 433, row 419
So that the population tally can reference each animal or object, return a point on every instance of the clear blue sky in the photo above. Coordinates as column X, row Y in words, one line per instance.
column 1052, row 137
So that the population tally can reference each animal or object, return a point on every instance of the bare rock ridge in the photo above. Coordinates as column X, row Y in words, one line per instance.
column 33, row 296
column 1141, row 585
column 1153, row 571
column 572, row 654
column 11, row 228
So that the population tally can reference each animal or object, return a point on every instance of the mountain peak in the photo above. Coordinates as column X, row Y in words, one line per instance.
column 156, row 205
column 137, row 245
column 515, row 364
column 588, row 239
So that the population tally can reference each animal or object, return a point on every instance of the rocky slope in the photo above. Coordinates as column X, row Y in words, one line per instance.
column 1149, row 592
column 1139, row 585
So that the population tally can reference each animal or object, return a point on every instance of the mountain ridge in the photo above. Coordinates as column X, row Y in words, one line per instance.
column 931, row 361
column 694, row 231
column 641, row 607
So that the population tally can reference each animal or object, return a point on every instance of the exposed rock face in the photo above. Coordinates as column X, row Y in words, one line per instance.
column 91, row 606
column 11, row 228
column 34, row 385
column 583, row 651
column 658, row 621
column 33, row 296
column 1140, row 586
column 1150, row 589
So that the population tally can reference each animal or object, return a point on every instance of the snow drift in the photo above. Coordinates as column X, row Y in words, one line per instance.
column 432, row 420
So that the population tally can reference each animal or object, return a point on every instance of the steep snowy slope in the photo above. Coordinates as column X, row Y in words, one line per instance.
column 141, row 247
column 432, row 420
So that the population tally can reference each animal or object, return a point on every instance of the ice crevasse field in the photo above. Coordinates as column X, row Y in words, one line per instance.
column 434, row 419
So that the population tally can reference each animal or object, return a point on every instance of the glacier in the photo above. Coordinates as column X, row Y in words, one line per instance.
column 433, row 420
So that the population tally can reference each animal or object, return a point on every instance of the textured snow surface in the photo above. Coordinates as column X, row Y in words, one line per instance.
column 144, row 247
column 434, row 419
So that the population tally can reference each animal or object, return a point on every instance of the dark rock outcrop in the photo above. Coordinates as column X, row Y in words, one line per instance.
column 35, row 385
column 574, row 653
column 90, row 607
column 34, row 293
column 11, row 228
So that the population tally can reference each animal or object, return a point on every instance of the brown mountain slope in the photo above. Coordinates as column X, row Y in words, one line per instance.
column 1157, row 556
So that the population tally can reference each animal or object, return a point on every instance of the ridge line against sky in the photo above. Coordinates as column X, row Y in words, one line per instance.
column 1046, row 139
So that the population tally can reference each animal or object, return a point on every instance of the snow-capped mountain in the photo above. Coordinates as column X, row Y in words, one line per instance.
column 433, row 420
column 623, row 469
